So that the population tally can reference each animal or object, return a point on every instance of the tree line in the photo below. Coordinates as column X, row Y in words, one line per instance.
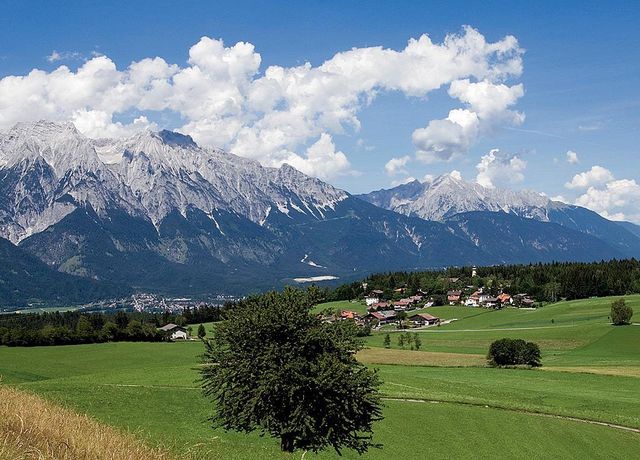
column 75, row 327
column 548, row 282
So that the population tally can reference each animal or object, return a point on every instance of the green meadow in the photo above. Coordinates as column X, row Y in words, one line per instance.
column 441, row 401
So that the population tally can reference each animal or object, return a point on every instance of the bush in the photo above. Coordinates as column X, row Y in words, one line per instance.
column 621, row 313
column 511, row 352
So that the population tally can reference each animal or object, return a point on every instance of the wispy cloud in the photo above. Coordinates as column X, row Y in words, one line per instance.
column 56, row 56
column 534, row 131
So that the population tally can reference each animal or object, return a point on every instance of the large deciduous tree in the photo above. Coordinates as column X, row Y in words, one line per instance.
column 273, row 367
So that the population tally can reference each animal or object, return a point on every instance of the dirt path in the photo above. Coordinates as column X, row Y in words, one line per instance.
column 522, row 411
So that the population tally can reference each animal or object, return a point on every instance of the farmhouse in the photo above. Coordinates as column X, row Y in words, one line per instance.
column 505, row 298
column 373, row 297
column 490, row 302
column 421, row 319
column 453, row 297
column 348, row 314
column 174, row 332
column 401, row 305
column 383, row 317
column 379, row 306
column 473, row 300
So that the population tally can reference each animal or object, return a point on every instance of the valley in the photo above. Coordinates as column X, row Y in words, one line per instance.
column 590, row 373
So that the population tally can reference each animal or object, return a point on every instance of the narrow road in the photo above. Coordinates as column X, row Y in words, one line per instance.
column 479, row 330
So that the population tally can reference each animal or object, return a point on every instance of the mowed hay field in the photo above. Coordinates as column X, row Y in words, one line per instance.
column 441, row 401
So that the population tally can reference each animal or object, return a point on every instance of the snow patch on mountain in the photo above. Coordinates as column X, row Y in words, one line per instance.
column 305, row 260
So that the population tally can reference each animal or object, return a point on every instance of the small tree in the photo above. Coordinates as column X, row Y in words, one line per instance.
column 202, row 332
column 408, row 340
column 416, row 341
column 274, row 367
column 621, row 313
column 387, row 341
column 401, row 341
column 509, row 352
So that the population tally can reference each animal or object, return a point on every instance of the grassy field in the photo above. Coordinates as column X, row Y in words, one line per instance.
column 340, row 305
column 151, row 389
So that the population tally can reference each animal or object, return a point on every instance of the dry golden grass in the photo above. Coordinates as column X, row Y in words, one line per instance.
column 32, row 428
column 376, row 355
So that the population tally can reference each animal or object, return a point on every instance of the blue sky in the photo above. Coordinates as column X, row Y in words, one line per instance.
column 580, row 78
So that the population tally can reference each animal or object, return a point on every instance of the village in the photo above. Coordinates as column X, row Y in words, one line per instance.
column 409, row 311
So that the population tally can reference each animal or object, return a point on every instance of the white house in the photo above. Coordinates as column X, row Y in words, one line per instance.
column 373, row 297
column 175, row 332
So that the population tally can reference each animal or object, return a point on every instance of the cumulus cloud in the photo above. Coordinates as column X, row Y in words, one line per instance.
column 488, row 106
column 572, row 157
column 500, row 167
column 597, row 175
column 397, row 165
column 279, row 114
column 616, row 200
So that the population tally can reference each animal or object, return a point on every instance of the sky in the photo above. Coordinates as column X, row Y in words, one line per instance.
column 364, row 95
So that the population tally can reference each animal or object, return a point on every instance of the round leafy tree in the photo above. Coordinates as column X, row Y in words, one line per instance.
column 510, row 352
column 621, row 313
column 273, row 367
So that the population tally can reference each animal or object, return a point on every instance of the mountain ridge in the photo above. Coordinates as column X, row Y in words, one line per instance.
column 157, row 212
column 449, row 195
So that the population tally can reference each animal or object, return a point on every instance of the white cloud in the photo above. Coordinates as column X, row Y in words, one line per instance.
column 597, row 175
column 594, row 126
column 500, row 167
column 617, row 200
column 283, row 114
column 397, row 165
column 560, row 198
column 445, row 139
column 406, row 180
column 457, row 175
column 321, row 159
column 572, row 157
column 95, row 123
column 487, row 108
column 56, row 56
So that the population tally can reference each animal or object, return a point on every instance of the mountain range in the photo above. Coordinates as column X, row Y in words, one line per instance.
column 157, row 212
